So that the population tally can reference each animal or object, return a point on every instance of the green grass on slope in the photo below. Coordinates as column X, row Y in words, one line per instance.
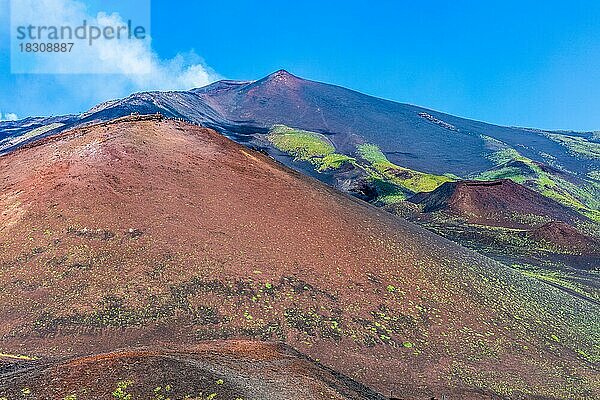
column 382, row 170
column 11, row 141
column 577, row 145
column 307, row 146
column 561, row 279
column 334, row 161
column 595, row 175
column 513, row 173
column 393, row 182
column 585, row 199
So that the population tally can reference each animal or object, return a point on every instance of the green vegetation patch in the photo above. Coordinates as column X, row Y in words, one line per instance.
column 578, row 146
column 307, row 146
column 334, row 161
column 505, row 155
column 594, row 175
column 392, row 182
column 121, row 391
column 562, row 279
column 400, row 181
column 514, row 166
column 515, row 174
column 11, row 141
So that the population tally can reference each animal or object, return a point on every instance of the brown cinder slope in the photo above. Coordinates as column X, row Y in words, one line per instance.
column 148, row 232
column 501, row 202
column 563, row 235
column 222, row 369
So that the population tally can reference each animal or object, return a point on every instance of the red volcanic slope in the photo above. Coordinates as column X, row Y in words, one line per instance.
column 565, row 236
column 228, row 369
column 501, row 202
column 142, row 232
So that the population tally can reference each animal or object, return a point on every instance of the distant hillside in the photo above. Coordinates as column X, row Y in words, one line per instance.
column 410, row 138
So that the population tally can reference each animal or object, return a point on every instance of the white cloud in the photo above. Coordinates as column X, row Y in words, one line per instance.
column 8, row 117
column 133, row 65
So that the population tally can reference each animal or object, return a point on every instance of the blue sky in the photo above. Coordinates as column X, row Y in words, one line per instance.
column 526, row 63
